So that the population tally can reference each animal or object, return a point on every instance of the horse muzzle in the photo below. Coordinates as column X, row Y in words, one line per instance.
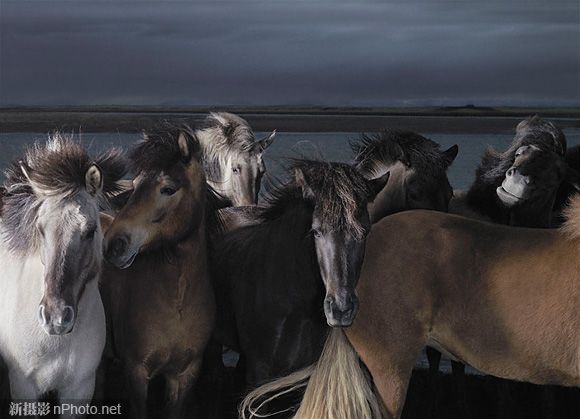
column 340, row 312
column 118, row 252
column 56, row 321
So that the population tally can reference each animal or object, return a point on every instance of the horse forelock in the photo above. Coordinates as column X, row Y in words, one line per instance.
column 222, row 137
column 55, row 169
column 159, row 150
column 373, row 151
column 540, row 132
column 339, row 194
column 533, row 131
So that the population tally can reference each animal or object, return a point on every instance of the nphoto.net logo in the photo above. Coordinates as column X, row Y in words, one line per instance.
column 44, row 408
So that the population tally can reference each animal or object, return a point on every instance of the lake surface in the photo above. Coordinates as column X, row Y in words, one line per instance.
column 331, row 146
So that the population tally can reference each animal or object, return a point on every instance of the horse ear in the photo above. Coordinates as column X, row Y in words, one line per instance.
column 450, row 154
column 302, row 183
column 94, row 179
column 184, row 147
column 264, row 143
column 377, row 185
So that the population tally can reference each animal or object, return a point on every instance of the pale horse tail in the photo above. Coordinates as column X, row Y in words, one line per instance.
column 338, row 387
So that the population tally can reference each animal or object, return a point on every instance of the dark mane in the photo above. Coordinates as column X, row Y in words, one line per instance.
column 491, row 171
column 158, row 150
column 389, row 146
column 532, row 131
column 57, row 168
column 339, row 193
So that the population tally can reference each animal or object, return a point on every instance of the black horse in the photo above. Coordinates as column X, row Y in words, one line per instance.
column 519, row 186
column 280, row 280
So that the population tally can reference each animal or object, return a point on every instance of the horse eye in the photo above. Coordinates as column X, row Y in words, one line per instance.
column 236, row 169
column 91, row 234
column 316, row 232
column 167, row 190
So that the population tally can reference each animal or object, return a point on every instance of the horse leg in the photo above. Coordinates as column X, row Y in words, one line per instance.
column 458, row 370
column 138, row 383
column 178, row 387
column 434, row 360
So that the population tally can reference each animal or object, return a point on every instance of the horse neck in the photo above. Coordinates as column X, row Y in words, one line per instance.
column 392, row 198
column 482, row 198
column 537, row 216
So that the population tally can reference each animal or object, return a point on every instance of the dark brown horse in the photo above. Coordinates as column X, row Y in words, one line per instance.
column 418, row 169
column 159, row 299
column 281, row 279
column 519, row 186
column 502, row 299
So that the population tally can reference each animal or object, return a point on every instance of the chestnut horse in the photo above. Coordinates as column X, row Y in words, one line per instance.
column 502, row 299
column 159, row 302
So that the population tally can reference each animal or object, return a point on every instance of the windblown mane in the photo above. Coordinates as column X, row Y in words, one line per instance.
column 159, row 150
column 223, row 135
column 338, row 191
column 58, row 168
column 388, row 146
column 532, row 131
column 571, row 225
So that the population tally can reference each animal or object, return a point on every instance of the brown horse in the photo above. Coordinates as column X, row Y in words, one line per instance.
column 502, row 299
column 159, row 303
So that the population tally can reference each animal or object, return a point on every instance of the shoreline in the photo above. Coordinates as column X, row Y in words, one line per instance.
column 433, row 120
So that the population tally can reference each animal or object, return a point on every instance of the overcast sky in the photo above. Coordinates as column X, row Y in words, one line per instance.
column 274, row 52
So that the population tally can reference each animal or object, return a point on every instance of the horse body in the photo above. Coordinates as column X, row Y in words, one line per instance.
column 289, row 284
column 53, row 329
column 501, row 299
column 289, row 290
column 160, row 303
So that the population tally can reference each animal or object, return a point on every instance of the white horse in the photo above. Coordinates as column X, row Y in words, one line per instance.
column 52, row 331
column 232, row 157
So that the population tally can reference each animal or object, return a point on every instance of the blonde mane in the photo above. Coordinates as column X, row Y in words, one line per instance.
column 571, row 226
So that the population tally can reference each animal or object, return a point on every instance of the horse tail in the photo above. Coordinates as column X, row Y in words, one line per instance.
column 338, row 387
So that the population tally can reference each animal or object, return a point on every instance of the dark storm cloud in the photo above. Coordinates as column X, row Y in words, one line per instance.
column 289, row 52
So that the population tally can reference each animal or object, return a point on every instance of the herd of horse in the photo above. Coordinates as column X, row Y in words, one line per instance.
column 328, row 286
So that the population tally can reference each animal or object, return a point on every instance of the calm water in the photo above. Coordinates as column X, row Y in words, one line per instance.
column 331, row 146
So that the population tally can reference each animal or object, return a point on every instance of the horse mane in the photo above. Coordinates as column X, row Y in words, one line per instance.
column 223, row 135
column 390, row 145
column 338, row 189
column 571, row 225
column 58, row 168
column 531, row 131
column 158, row 150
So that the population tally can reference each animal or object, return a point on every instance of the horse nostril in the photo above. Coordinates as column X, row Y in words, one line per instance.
column 68, row 316
column 527, row 180
column 510, row 171
column 117, row 246
column 42, row 315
